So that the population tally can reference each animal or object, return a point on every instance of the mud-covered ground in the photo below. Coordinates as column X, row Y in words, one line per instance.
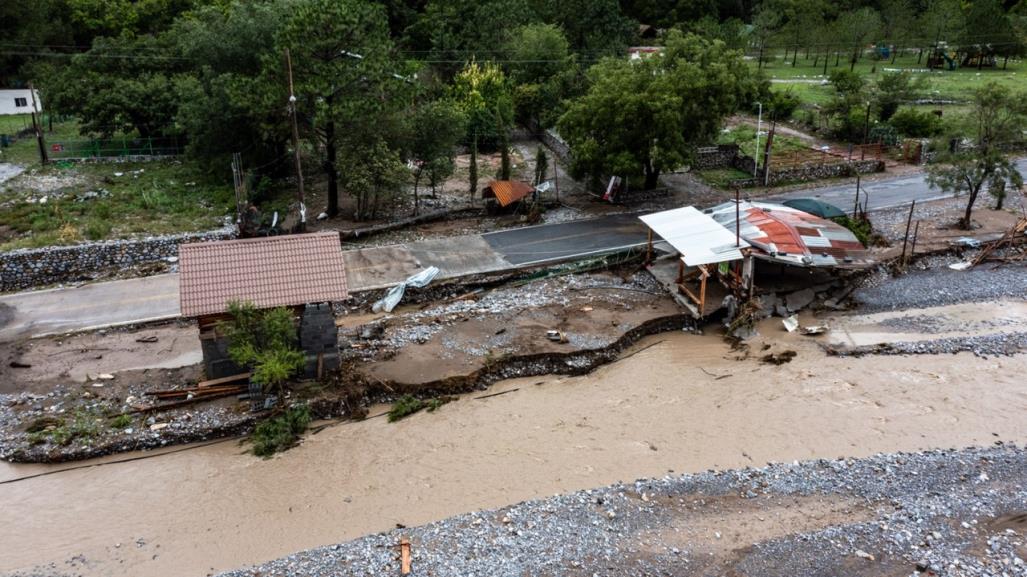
column 422, row 344
column 932, row 513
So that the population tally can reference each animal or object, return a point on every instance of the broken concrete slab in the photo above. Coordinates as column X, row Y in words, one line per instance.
column 799, row 300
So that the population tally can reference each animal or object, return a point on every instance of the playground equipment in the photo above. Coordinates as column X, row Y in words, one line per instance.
column 939, row 58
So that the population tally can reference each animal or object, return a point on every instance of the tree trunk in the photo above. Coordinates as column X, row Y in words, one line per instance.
column 894, row 54
column 827, row 56
column 919, row 56
column 971, row 199
column 795, row 54
column 652, row 176
column 759, row 58
column 852, row 64
column 837, row 59
column 1005, row 61
column 329, row 168
column 474, row 168
column 417, row 181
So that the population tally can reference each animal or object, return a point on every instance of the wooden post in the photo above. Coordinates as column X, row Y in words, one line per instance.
column 916, row 233
column 905, row 240
column 649, row 249
column 855, row 206
column 43, row 157
column 404, row 556
column 738, row 218
column 702, row 290
column 681, row 271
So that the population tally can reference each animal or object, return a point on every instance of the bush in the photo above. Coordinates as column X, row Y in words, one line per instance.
column 97, row 229
column 265, row 341
column 859, row 227
column 782, row 105
column 281, row 432
column 915, row 123
column 404, row 407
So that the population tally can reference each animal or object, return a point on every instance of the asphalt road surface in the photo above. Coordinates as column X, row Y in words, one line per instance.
column 37, row 313
column 882, row 194
column 555, row 242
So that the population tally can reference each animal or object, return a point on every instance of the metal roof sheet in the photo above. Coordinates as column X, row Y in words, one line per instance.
column 269, row 272
column 696, row 236
column 508, row 192
column 792, row 236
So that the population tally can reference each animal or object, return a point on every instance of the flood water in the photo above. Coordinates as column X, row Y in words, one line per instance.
column 215, row 508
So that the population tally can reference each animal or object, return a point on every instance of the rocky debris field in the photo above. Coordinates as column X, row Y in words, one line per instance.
column 952, row 513
column 75, row 421
column 936, row 284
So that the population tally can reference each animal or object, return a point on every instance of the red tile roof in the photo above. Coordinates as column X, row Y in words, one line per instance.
column 508, row 191
column 269, row 272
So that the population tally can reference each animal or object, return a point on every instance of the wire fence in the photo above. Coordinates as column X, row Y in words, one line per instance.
column 115, row 147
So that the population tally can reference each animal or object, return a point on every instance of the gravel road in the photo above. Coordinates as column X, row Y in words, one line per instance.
column 956, row 512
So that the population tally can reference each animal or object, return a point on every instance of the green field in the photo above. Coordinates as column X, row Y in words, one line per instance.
column 745, row 138
column 809, row 83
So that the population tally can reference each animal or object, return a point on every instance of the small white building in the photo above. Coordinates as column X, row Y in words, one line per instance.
column 18, row 101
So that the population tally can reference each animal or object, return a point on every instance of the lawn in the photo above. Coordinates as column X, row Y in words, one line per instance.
column 745, row 137
column 806, row 81
column 722, row 177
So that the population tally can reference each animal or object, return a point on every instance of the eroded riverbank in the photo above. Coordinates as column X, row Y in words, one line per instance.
column 685, row 404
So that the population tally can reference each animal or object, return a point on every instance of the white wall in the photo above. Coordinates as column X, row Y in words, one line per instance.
column 8, row 101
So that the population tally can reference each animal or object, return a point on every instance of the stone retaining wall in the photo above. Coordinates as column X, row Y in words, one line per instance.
column 30, row 268
column 710, row 157
column 812, row 172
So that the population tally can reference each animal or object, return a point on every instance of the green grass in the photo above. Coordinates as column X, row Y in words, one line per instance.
column 151, row 198
column 722, row 177
column 956, row 85
column 408, row 405
column 82, row 424
column 745, row 137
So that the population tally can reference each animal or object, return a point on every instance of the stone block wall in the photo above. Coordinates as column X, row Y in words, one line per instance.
column 30, row 268
column 812, row 172
column 720, row 156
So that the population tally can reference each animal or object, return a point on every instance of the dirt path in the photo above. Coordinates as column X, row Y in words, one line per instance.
column 685, row 404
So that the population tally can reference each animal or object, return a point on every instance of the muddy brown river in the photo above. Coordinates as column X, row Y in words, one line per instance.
column 685, row 404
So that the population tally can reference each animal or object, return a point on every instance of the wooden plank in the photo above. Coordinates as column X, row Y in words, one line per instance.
column 223, row 380
column 404, row 554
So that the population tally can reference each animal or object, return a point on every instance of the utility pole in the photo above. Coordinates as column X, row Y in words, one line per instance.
column 756, row 151
column 855, row 206
column 296, row 146
column 43, row 158
column 738, row 218
column 766, row 154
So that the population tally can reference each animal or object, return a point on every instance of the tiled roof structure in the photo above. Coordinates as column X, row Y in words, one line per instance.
column 268, row 272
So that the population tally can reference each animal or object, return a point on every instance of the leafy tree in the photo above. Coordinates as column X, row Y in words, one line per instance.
column 989, row 31
column 225, row 105
column 765, row 24
column 483, row 93
column 801, row 16
column 915, row 123
column 996, row 117
column 535, row 53
column 435, row 128
column 939, row 22
column 894, row 88
column 649, row 116
column 264, row 340
column 375, row 176
column 858, row 28
column 117, row 17
column 594, row 26
column 897, row 20
column 112, row 91
column 338, row 88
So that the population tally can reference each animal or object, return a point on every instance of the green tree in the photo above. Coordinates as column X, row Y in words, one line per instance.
column 647, row 116
column 535, row 53
column 894, row 88
column 859, row 28
column 434, row 130
column 939, row 22
column 897, row 22
column 483, row 93
column 343, row 71
column 996, row 117
column 266, row 341
column 765, row 25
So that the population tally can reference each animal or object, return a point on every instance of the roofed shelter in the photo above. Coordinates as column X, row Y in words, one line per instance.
column 504, row 193
column 700, row 241
column 305, row 273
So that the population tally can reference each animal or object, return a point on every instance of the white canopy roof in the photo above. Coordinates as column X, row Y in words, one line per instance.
column 696, row 236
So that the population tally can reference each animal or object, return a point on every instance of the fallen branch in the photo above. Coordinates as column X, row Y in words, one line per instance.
column 497, row 394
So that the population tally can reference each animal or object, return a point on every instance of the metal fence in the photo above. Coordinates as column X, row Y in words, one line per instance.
column 115, row 147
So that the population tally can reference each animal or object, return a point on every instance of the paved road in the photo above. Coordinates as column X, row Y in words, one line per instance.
column 887, row 193
column 38, row 313
column 122, row 302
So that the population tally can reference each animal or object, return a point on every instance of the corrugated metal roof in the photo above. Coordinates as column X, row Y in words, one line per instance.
column 794, row 237
column 269, row 272
column 696, row 236
column 508, row 192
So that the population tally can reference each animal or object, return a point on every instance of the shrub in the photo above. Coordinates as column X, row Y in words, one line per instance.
column 264, row 340
column 915, row 123
column 97, row 229
column 121, row 421
column 404, row 407
column 859, row 227
column 280, row 432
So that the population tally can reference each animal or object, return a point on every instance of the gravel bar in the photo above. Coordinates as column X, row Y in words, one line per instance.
column 946, row 512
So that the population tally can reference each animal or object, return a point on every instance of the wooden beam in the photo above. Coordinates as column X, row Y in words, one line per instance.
column 223, row 380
